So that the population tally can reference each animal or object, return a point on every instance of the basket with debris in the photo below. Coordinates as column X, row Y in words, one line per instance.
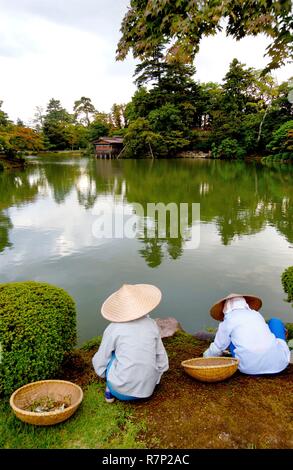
column 46, row 402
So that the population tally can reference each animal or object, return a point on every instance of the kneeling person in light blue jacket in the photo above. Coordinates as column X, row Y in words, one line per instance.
column 260, row 347
column 131, row 356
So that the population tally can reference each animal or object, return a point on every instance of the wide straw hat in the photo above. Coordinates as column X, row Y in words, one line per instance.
column 130, row 302
column 217, row 313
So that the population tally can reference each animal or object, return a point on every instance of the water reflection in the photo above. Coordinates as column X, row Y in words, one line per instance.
column 15, row 190
column 240, row 199
column 5, row 225
column 47, row 213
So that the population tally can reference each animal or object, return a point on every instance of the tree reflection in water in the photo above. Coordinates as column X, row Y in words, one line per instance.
column 239, row 198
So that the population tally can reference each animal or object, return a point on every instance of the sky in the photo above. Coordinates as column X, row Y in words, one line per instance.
column 65, row 49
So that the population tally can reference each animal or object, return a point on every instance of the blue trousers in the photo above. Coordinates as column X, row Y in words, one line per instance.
column 277, row 328
column 115, row 394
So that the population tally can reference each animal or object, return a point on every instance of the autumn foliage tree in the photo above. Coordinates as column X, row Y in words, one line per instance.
column 16, row 139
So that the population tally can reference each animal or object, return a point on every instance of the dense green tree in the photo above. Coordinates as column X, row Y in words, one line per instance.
column 168, row 113
column 118, row 116
column 250, row 127
column 171, row 83
column 166, row 118
column 231, row 107
column 140, row 105
column 151, row 70
column 97, row 129
column 208, row 103
column 76, row 135
column 55, row 125
column 181, row 24
column 56, row 136
column 281, row 145
column 140, row 141
column 228, row 149
column 246, row 108
column 4, row 120
column 55, row 113
column 168, row 108
column 101, row 126
column 237, row 117
column 84, row 110
column 279, row 111
column 237, row 87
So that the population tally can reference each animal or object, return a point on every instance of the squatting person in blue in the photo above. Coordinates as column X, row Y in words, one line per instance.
column 131, row 356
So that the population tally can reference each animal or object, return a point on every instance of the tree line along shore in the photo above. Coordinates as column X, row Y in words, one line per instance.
column 170, row 114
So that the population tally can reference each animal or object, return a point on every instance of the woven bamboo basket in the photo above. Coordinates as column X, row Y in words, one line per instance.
column 55, row 389
column 210, row 369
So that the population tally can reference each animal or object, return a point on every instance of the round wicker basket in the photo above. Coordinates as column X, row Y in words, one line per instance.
column 55, row 389
column 210, row 369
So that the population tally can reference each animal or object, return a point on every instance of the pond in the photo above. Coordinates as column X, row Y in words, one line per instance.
column 48, row 211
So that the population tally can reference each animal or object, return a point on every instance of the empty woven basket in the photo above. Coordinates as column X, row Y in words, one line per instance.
column 210, row 369
column 22, row 398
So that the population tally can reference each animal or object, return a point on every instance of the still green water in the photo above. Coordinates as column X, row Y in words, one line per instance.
column 48, row 211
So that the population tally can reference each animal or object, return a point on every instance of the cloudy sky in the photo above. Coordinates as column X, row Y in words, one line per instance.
column 66, row 49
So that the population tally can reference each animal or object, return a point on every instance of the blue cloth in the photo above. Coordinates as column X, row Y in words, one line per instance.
column 116, row 394
column 232, row 349
column 277, row 328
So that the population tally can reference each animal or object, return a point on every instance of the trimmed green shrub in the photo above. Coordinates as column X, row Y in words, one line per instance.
column 287, row 281
column 37, row 327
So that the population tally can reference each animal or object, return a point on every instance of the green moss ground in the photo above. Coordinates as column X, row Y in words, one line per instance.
column 95, row 425
column 241, row 412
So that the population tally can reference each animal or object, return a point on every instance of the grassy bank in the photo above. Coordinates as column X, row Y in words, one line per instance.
column 242, row 412
column 62, row 153
column 94, row 425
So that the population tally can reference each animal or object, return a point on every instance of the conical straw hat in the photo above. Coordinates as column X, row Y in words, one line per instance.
column 217, row 313
column 130, row 302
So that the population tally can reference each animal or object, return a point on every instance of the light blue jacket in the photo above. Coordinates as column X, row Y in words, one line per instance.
column 140, row 360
